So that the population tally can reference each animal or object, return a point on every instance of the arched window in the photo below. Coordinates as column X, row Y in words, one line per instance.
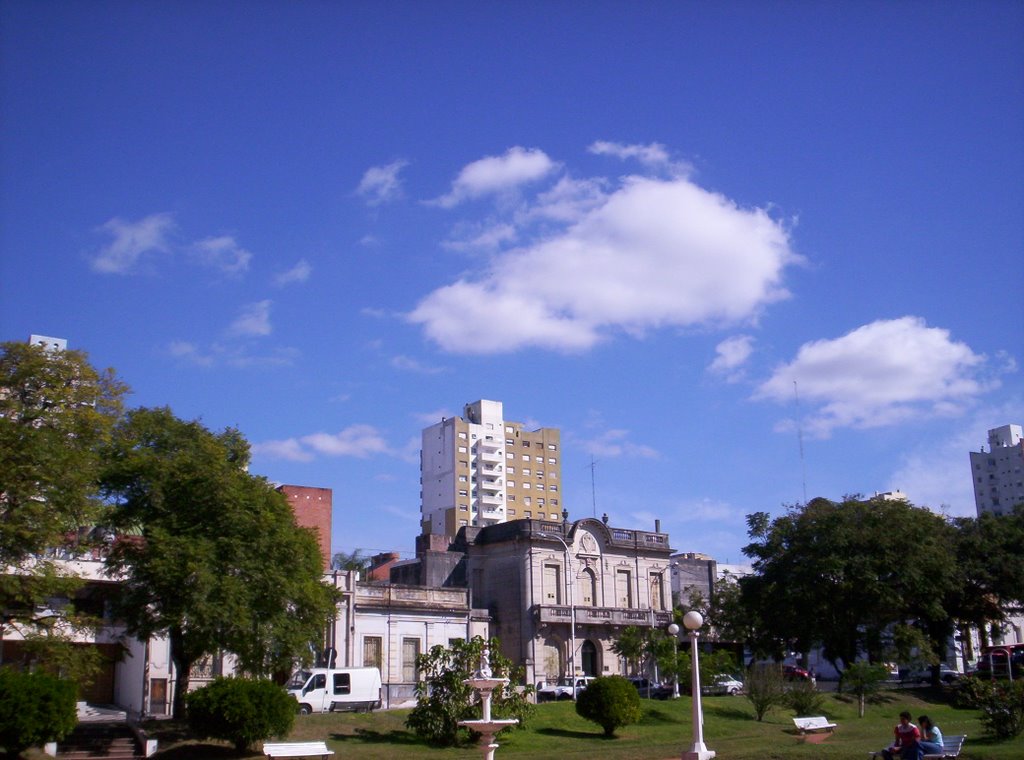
column 588, row 588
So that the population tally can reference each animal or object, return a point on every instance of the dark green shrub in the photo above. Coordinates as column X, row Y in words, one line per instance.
column 242, row 711
column 610, row 702
column 765, row 687
column 1002, row 706
column 804, row 699
column 35, row 708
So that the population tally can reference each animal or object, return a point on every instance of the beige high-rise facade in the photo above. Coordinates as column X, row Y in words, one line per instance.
column 481, row 469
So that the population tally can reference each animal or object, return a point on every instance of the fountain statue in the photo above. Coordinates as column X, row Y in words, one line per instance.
column 484, row 683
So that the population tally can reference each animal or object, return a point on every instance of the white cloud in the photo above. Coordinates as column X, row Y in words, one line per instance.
column 570, row 199
column 408, row 364
column 131, row 241
column 359, row 441
column 495, row 174
column 298, row 273
column 190, row 352
column 230, row 355
column 253, row 321
column 223, row 253
column 732, row 353
column 652, row 155
column 613, row 444
column 488, row 237
column 381, row 184
column 879, row 374
column 653, row 253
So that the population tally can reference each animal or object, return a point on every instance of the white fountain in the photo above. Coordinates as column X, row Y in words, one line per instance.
column 485, row 683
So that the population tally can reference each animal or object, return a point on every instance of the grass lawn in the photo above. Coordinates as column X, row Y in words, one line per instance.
column 557, row 732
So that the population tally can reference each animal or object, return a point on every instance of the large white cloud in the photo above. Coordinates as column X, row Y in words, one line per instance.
column 131, row 241
column 495, row 174
column 879, row 374
column 652, row 253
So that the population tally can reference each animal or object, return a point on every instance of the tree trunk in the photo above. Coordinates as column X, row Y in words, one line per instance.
column 182, row 671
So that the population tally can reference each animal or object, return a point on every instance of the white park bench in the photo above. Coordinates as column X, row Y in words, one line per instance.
column 951, row 746
column 296, row 749
column 810, row 725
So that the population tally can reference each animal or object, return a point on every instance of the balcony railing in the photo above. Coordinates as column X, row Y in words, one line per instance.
column 621, row 616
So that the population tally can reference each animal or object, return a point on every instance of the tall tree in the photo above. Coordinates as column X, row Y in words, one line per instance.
column 218, row 563
column 842, row 574
column 56, row 412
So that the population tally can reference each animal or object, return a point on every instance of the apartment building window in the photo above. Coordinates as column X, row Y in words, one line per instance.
column 539, row 460
column 554, row 502
column 463, row 508
column 511, row 512
column 511, row 484
column 509, row 429
column 527, row 471
column 529, row 513
column 462, row 478
column 372, row 649
column 527, row 501
column 552, row 447
column 554, row 515
column 526, row 457
column 511, row 497
column 510, row 470
column 509, row 455
column 526, row 444
column 410, row 651
column 463, row 492
column 526, row 486
column 540, row 502
column 463, row 523
column 462, row 436
column 552, row 474
column 552, row 460
column 463, row 450
column 552, row 488
column 509, row 441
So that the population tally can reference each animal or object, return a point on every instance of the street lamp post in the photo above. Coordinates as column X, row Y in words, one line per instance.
column 693, row 621
column 572, row 609
column 673, row 631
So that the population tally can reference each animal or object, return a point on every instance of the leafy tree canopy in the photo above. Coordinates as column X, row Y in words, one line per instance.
column 217, row 562
column 56, row 413
column 841, row 574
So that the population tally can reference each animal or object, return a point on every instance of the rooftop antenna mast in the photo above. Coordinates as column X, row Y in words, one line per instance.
column 800, row 438
column 593, row 491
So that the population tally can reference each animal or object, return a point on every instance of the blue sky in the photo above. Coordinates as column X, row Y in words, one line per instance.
column 330, row 224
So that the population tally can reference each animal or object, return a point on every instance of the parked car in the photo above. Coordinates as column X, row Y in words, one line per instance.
column 722, row 683
column 793, row 673
column 652, row 690
column 563, row 688
column 924, row 675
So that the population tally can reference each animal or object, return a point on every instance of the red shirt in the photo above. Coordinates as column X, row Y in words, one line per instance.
column 906, row 735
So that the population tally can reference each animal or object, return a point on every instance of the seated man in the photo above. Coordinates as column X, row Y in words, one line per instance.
column 906, row 736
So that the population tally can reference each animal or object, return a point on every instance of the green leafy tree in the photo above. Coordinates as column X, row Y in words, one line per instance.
column 839, row 575
column 990, row 577
column 443, row 698
column 610, row 702
column 630, row 645
column 35, row 708
column 863, row 679
column 242, row 711
column 218, row 562
column 56, row 413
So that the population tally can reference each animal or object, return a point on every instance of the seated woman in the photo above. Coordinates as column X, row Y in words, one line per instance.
column 931, row 737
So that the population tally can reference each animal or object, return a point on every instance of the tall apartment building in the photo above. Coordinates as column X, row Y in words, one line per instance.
column 998, row 475
column 481, row 469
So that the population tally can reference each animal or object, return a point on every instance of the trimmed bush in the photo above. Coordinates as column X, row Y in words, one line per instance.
column 610, row 702
column 242, row 711
column 1001, row 704
column 35, row 708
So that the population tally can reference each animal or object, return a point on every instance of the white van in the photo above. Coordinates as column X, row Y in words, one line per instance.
column 336, row 689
